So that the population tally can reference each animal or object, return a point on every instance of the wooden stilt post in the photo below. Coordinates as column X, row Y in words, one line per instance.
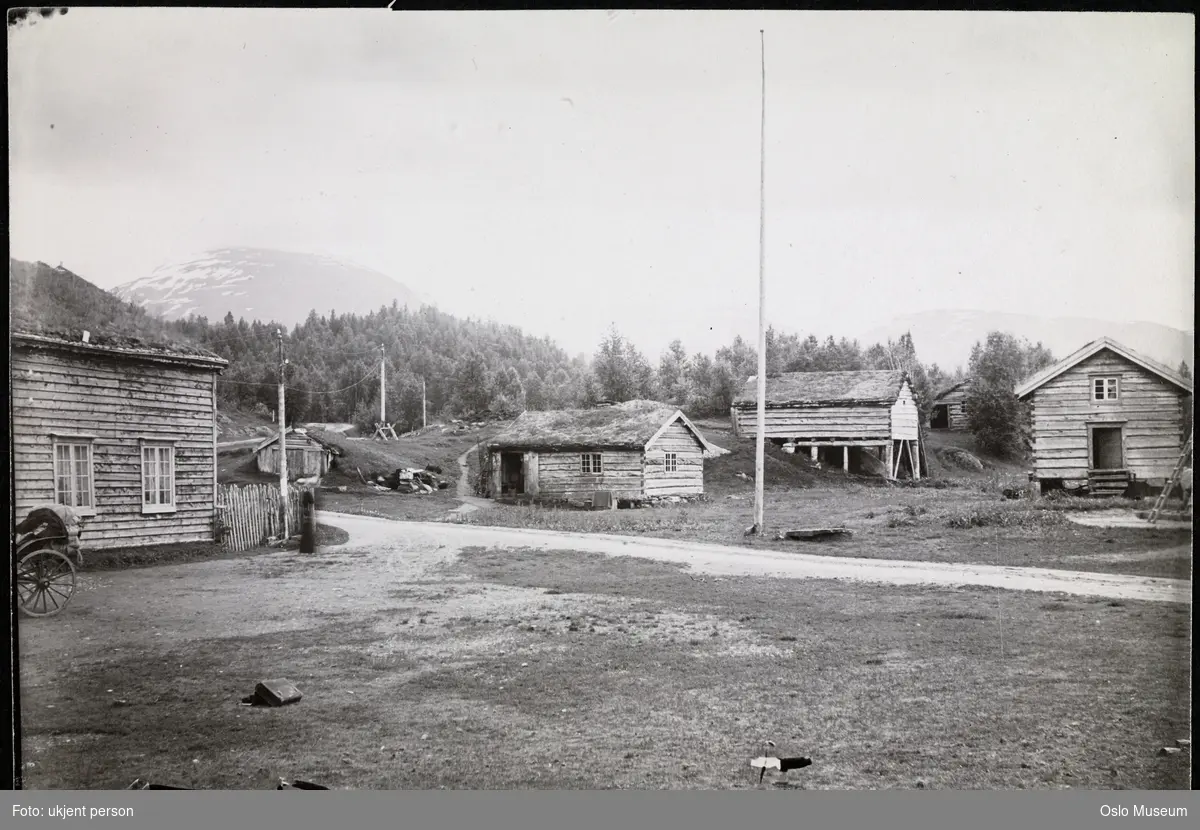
column 891, row 468
column 813, row 451
column 845, row 459
column 916, row 462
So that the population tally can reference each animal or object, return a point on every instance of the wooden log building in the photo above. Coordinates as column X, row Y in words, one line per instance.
column 122, row 432
column 949, row 408
column 1105, row 417
column 306, row 455
column 635, row 451
column 838, row 417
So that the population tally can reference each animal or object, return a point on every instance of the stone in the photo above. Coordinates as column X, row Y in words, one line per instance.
column 278, row 692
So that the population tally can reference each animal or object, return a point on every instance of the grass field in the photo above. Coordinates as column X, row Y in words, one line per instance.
column 958, row 516
column 424, row 667
column 912, row 523
column 502, row 669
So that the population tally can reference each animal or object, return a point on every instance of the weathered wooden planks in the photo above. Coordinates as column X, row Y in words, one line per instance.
column 1149, row 411
column 560, row 475
column 117, row 401
column 555, row 474
column 897, row 420
column 904, row 415
column 687, row 477
column 250, row 514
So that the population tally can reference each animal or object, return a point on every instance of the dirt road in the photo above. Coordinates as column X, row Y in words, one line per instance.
column 717, row 559
column 463, row 488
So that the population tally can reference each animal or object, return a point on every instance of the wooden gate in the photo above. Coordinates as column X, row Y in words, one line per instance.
column 250, row 515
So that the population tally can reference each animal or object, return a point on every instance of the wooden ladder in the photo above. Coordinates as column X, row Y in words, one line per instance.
column 1171, row 482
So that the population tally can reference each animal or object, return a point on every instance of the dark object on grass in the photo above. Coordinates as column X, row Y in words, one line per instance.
column 1013, row 493
column 273, row 693
column 139, row 784
column 308, row 522
column 814, row 533
column 781, row 764
column 434, row 468
column 298, row 785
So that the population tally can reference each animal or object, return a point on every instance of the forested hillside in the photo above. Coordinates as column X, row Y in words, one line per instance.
column 469, row 368
column 332, row 374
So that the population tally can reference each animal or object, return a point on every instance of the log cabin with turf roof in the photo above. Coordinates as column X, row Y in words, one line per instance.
column 122, row 431
column 860, row 421
column 638, row 451
column 949, row 411
column 307, row 455
column 1105, row 419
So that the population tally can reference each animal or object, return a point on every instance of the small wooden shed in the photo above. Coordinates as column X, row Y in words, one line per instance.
column 838, row 417
column 1105, row 417
column 638, row 450
column 949, row 408
column 306, row 456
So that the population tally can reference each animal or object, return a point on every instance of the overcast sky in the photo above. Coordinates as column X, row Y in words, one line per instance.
column 565, row 170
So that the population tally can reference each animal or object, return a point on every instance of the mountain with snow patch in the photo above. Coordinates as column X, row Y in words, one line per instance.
column 265, row 284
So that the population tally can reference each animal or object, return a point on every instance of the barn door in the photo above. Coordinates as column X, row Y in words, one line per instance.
column 1107, row 450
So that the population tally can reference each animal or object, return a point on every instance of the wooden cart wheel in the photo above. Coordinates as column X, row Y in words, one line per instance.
column 45, row 583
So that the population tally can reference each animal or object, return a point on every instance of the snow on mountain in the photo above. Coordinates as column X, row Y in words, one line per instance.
column 946, row 337
column 265, row 284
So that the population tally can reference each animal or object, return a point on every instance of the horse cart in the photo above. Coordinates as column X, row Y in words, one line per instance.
column 46, row 551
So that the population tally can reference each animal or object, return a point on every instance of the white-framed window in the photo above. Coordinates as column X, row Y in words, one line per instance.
column 1106, row 389
column 672, row 462
column 74, row 478
column 158, row 477
column 589, row 462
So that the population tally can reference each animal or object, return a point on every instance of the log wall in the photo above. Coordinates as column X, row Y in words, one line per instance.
column 1149, row 411
column 813, row 422
column 688, row 477
column 118, row 402
column 303, row 460
column 559, row 475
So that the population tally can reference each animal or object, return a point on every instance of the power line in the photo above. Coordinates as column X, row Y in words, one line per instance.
column 370, row 375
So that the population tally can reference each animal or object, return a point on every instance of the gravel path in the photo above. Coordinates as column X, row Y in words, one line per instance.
column 732, row 561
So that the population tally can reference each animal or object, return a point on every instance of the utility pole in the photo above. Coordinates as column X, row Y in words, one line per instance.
column 760, row 449
column 384, row 431
column 283, row 481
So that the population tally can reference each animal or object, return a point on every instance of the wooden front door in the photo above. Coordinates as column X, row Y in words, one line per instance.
column 512, row 478
column 1107, row 449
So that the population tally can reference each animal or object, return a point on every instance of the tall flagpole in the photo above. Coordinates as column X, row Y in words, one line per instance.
column 760, row 447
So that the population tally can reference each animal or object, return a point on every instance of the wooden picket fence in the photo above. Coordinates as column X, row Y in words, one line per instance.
column 250, row 514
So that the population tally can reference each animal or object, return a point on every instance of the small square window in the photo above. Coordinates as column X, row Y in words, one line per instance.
column 1105, row 389
column 672, row 462
column 590, row 463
